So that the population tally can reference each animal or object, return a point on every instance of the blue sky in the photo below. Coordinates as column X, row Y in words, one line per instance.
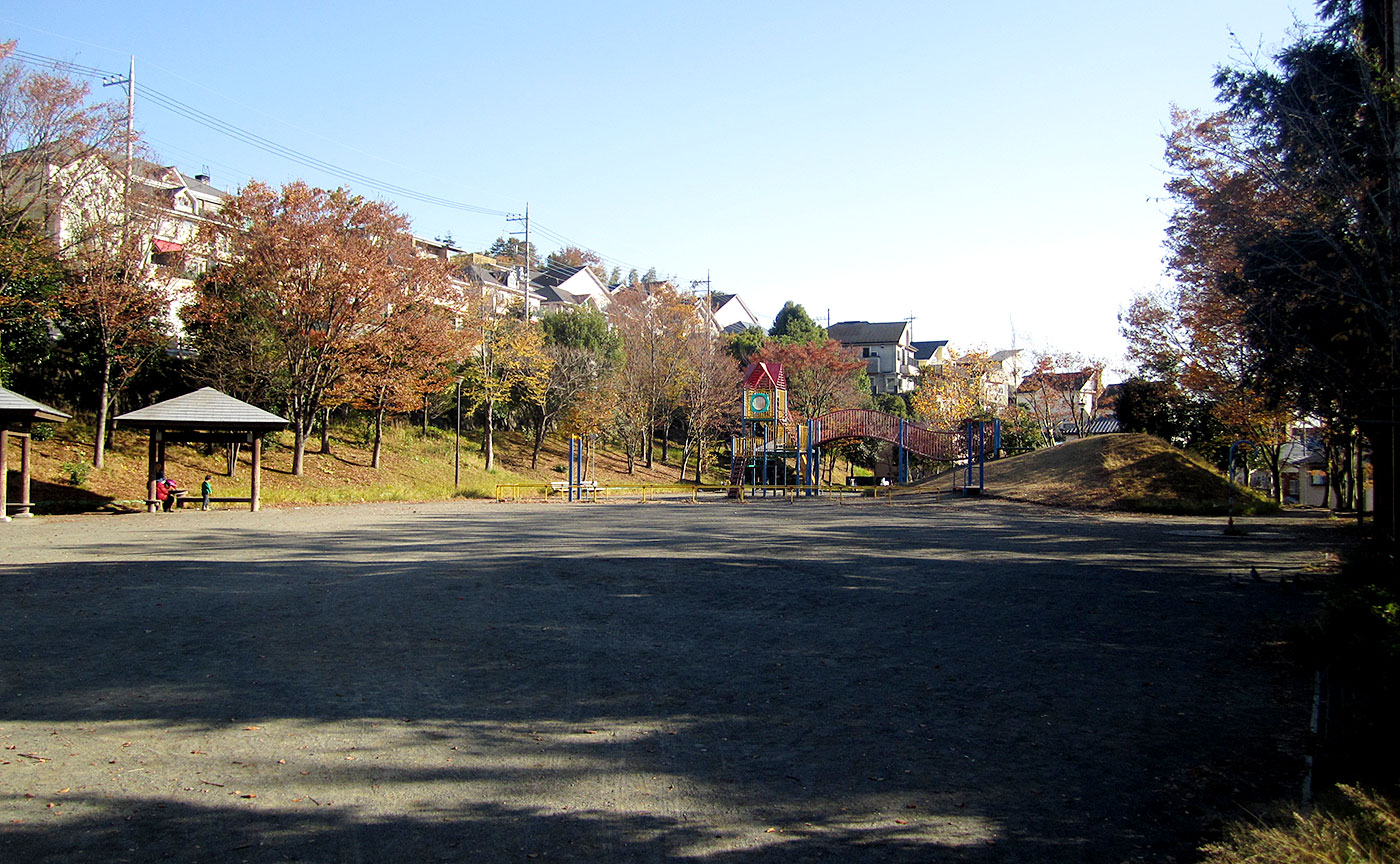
column 982, row 167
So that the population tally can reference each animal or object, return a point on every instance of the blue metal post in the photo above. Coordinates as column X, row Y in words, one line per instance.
column 572, row 441
column 903, row 452
column 996, row 439
column 967, row 474
column 981, row 454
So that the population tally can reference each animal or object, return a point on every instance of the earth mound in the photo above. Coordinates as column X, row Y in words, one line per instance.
column 1131, row 471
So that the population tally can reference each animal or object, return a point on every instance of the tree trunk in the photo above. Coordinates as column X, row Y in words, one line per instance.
column 100, row 438
column 539, row 441
column 685, row 457
column 488, row 450
column 299, row 447
column 326, row 431
column 232, row 458
column 1360, row 472
column 378, row 437
column 666, row 442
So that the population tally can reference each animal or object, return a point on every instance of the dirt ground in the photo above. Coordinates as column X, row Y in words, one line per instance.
column 735, row 683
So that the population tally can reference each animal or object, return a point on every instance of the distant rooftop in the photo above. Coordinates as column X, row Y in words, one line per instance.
column 866, row 333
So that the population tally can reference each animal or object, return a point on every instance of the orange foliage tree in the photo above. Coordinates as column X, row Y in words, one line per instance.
column 326, row 266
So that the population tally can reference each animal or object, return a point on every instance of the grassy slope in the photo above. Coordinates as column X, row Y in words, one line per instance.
column 1118, row 472
column 414, row 468
column 1125, row 472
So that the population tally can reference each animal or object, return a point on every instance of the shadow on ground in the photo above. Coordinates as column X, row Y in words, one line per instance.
column 872, row 684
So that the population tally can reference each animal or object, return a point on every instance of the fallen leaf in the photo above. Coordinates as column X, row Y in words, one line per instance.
column 63, row 790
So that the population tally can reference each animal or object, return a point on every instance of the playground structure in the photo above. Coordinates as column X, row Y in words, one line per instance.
column 776, row 448
column 778, row 453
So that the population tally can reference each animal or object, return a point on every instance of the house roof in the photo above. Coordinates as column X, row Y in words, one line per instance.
column 1001, row 356
column 866, row 333
column 478, row 275
column 1104, row 426
column 1055, row 380
column 555, row 274
column 555, row 294
column 924, row 350
column 15, row 408
column 205, row 408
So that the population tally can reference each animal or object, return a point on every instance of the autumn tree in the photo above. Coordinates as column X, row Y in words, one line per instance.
column 822, row 376
column 1288, row 201
column 654, row 322
column 64, row 198
column 1062, row 388
column 583, row 352
column 573, row 257
column 57, row 147
column 324, row 265
column 394, row 365
column 710, row 391
column 504, row 359
column 954, row 393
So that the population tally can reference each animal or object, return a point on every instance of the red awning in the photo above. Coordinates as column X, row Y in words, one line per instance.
column 165, row 246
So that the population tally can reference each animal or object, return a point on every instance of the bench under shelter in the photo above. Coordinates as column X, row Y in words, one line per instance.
column 204, row 416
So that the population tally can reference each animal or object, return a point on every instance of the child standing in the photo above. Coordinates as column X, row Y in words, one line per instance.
column 206, row 489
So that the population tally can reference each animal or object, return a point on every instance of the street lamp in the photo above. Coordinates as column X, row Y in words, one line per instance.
column 457, row 446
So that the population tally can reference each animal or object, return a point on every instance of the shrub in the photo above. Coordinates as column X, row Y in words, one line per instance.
column 42, row 431
column 77, row 471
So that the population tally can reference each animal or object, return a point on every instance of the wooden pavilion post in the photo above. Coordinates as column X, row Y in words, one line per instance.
column 4, row 473
column 257, row 473
column 24, row 511
column 151, row 505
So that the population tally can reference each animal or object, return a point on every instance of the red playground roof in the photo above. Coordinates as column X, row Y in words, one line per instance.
column 764, row 376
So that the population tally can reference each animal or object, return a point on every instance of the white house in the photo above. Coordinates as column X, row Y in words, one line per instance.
column 887, row 349
column 729, row 313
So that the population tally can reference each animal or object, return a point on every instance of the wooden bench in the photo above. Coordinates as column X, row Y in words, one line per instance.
column 587, row 490
column 180, row 500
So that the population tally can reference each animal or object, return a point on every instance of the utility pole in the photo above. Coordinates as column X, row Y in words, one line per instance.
column 526, row 219
column 130, row 82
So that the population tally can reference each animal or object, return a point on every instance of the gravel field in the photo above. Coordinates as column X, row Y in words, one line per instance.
column 766, row 682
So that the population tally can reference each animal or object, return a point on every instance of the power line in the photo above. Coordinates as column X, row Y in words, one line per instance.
column 231, row 130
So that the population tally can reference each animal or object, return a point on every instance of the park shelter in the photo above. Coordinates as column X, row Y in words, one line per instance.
column 17, row 418
column 205, row 416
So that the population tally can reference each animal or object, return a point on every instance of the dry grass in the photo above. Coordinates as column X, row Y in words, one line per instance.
column 1356, row 829
column 414, row 467
column 1118, row 472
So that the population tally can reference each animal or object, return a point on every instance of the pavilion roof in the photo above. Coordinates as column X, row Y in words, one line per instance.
column 205, row 408
column 17, row 408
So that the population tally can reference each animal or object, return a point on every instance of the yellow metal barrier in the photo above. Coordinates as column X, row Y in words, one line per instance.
column 648, row 492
